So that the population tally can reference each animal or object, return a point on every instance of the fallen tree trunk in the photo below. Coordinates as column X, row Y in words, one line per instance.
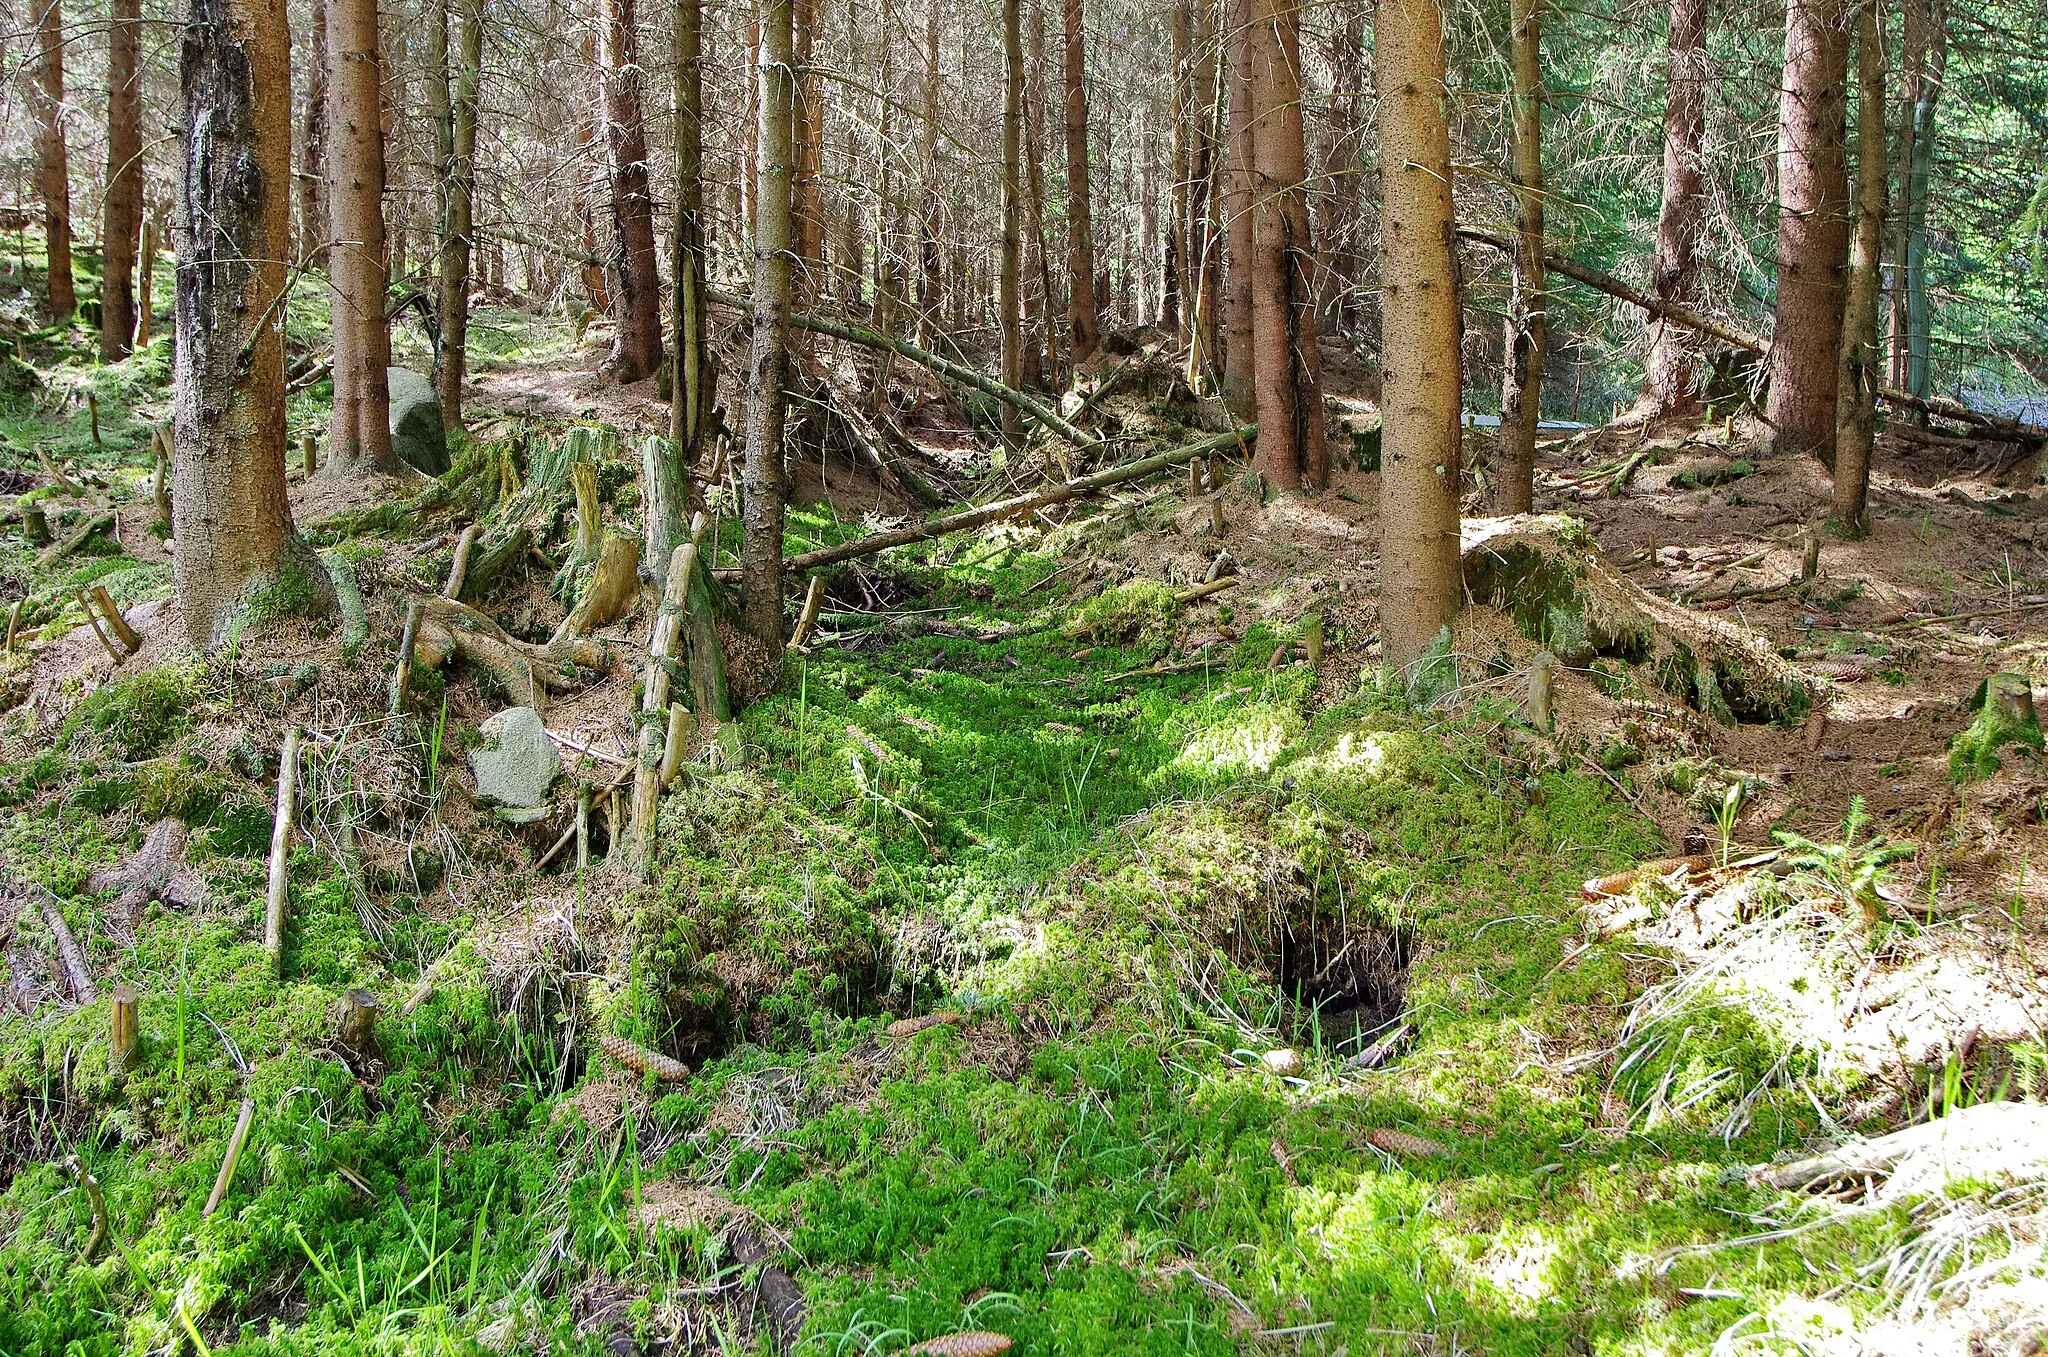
column 966, row 376
column 1058, row 493
column 1937, row 406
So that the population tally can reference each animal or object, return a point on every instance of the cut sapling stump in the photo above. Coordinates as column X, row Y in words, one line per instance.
column 281, row 848
column 356, row 1023
column 92, row 620
column 408, row 639
column 1541, row 673
column 130, row 641
column 807, row 620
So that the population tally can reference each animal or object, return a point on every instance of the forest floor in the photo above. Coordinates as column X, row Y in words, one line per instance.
column 1277, row 1011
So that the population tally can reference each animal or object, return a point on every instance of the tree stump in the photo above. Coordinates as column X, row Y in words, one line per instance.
column 2005, row 716
column 356, row 1022
column 124, row 1030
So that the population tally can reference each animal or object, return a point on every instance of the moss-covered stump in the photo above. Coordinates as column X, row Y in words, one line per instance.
column 2005, row 717
column 1546, row 572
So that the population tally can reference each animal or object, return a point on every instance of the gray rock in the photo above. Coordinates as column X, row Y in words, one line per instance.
column 517, row 762
column 417, row 434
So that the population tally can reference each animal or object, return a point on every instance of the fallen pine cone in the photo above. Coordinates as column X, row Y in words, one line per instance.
column 1621, row 883
column 973, row 1343
column 905, row 1028
column 1402, row 1142
column 640, row 1060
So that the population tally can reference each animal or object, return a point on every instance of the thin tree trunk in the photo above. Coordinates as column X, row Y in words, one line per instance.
column 1180, row 42
column 121, row 208
column 1671, row 378
column 1011, row 279
column 1084, row 325
column 1342, row 211
column 359, row 438
column 930, row 289
column 145, row 283
column 1813, row 228
column 1239, row 391
column 1919, row 174
column 1912, row 72
column 635, row 274
column 1039, row 348
column 768, row 361
column 1204, row 250
column 233, row 525
column 1286, row 370
column 458, row 214
column 696, row 387
column 1419, row 452
column 808, row 188
column 1528, row 336
column 53, row 167
column 312, row 176
column 1861, row 354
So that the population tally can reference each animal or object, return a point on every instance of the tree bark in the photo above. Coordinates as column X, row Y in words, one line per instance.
column 930, row 282
column 1671, row 378
column 312, row 176
column 232, row 524
column 1813, row 235
column 808, row 131
column 458, row 211
column 1286, row 372
column 1856, row 417
column 1041, row 350
column 53, row 167
column 695, row 391
column 1084, row 326
column 635, row 275
column 768, row 360
column 359, row 435
column 1009, row 284
column 1419, row 450
column 1528, row 327
column 121, row 208
column 1180, row 44
column 1343, row 212
column 1919, row 174
column 1240, row 393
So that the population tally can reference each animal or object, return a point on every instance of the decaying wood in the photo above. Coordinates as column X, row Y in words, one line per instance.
column 459, row 570
column 157, row 871
column 76, row 974
column 613, row 588
column 1058, row 493
column 401, row 674
column 1982, row 1133
column 668, row 621
column 246, row 1115
column 680, row 724
column 281, row 847
column 527, row 672
column 124, row 1029
column 97, row 1200
column 96, row 524
column 905, row 1028
column 1542, row 672
column 807, row 620
column 640, row 1060
column 355, row 1022
column 130, row 641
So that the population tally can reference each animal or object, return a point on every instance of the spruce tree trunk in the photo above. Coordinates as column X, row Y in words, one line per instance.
column 312, row 177
column 1419, row 449
column 1180, row 43
column 635, row 274
column 1671, row 377
column 1240, row 394
column 359, row 435
column 1813, row 228
column 1040, row 349
column 1286, row 372
column 1862, row 355
column 1344, row 174
column 808, row 188
column 1528, row 329
column 1204, row 248
column 53, row 177
column 768, row 360
column 1919, row 176
column 1084, row 325
column 121, row 208
column 458, row 211
column 1912, row 71
column 695, row 392
column 1010, row 282
column 232, row 524
column 930, row 260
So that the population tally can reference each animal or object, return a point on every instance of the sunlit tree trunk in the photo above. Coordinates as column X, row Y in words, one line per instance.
column 768, row 360
column 312, row 176
column 635, row 276
column 53, row 177
column 121, row 208
column 930, row 260
column 1919, row 177
column 1239, row 390
column 1010, row 280
column 1286, row 373
column 1862, row 356
column 1528, row 329
column 1813, row 228
column 359, row 437
column 1671, row 379
column 696, row 393
column 1084, row 326
column 1040, row 349
column 1419, row 452
column 458, row 211
column 231, row 523
column 1340, row 204
column 808, row 189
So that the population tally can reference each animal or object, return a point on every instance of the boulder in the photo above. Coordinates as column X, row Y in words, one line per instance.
column 417, row 435
column 516, row 762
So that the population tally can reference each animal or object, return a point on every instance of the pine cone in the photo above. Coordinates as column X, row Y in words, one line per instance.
column 640, row 1060
column 905, row 1028
column 974, row 1343
column 1402, row 1142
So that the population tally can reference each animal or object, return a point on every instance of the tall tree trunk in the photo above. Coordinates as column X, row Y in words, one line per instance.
column 458, row 211
column 312, row 176
column 768, row 361
column 121, row 208
column 1813, row 228
column 1671, row 378
column 696, row 387
column 635, row 274
column 1181, row 46
column 589, row 176
column 1919, row 174
column 1862, row 356
column 1286, row 370
column 931, row 261
column 808, row 189
column 53, row 168
column 1912, row 71
column 1528, row 327
column 145, row 283
column 1204, row 251
column 1240, row 394
column 232, row 523
column 1010, row 283
column 359, row 437
column 1419, row 452
column 1084, row 325
column 1040, row 350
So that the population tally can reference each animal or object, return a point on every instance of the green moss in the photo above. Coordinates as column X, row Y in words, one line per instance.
column 138, row 717
column 2005, row 718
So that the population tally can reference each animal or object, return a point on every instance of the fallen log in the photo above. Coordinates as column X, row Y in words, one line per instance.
column 1988, row 1141
column 1938, row 406
column 1057, row 493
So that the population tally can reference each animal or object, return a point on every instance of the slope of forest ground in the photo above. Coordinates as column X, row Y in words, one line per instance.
column 1280, row 1018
